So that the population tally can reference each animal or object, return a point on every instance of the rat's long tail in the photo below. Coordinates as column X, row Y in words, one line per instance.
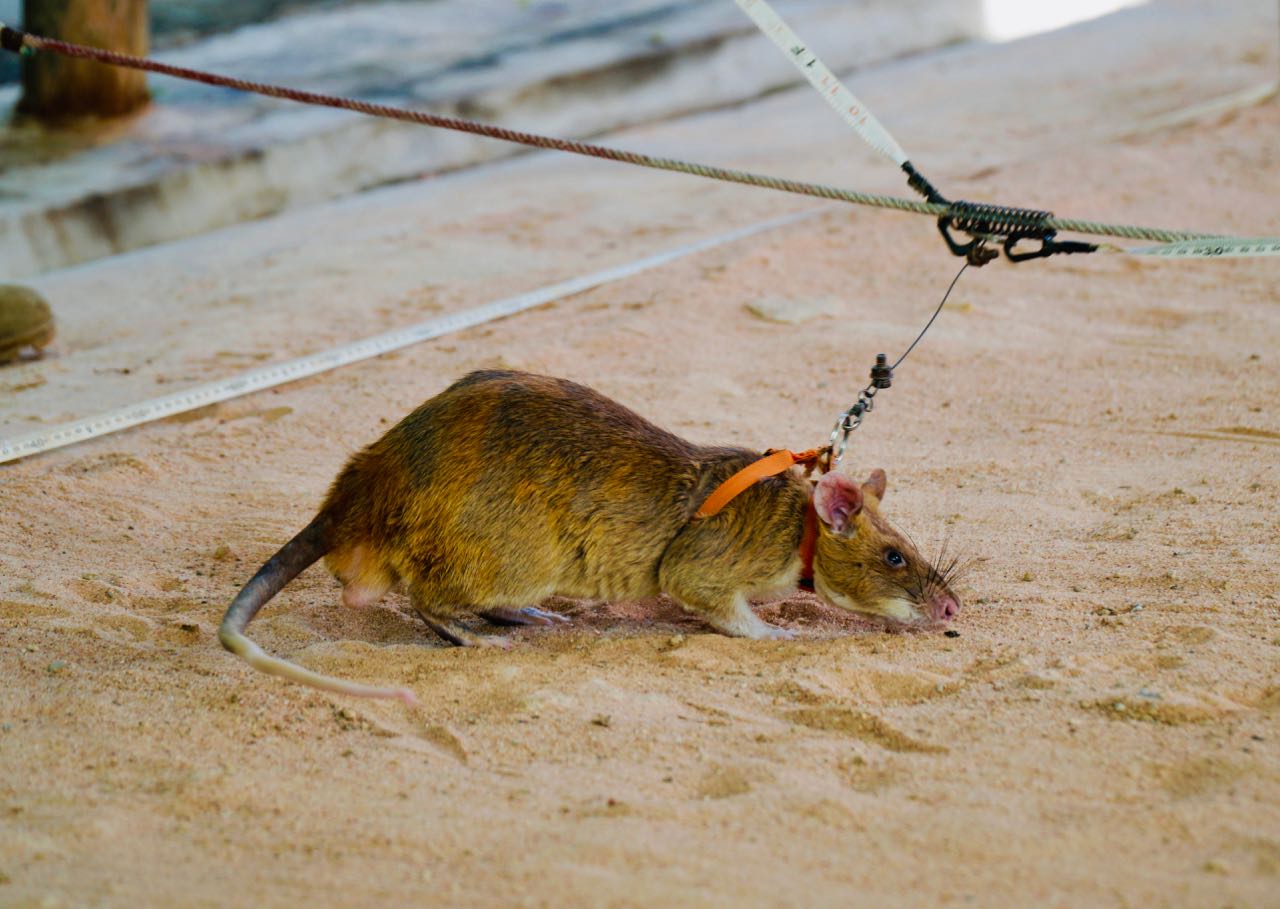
column 293, row 558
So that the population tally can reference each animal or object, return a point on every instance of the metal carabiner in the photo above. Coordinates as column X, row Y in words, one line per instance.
column 848, row 421
column 837, row 449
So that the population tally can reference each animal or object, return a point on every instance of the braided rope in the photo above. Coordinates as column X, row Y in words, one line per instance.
column 12, row 39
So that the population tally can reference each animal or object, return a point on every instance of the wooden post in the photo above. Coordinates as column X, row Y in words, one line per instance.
column 58, row 88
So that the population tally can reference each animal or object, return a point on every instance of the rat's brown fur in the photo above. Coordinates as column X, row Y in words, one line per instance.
column 507, row 488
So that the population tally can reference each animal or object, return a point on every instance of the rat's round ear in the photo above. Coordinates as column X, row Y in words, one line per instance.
column 836, row 499
column 875, row 484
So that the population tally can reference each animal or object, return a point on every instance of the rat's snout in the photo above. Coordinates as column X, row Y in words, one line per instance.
column 944, row 607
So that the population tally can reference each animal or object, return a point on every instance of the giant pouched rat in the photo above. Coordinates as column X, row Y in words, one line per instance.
column 508, row 488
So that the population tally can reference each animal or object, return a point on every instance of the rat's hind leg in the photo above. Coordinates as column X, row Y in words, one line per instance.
column 529, row 615
column 732, row 616
column 442, row 619
column 365, row 578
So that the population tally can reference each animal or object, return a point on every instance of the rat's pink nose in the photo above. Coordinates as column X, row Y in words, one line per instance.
column 945, row 607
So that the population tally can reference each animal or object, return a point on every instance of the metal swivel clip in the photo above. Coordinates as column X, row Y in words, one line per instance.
column 851, row 419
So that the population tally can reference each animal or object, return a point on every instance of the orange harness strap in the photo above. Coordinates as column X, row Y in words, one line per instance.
column 772, row 464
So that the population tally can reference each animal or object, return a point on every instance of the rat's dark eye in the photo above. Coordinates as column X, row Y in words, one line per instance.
column 894, row 559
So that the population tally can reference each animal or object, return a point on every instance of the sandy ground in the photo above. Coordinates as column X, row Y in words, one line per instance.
column 1098, row 433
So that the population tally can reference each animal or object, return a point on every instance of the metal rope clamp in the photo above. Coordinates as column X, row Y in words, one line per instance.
column 851, row 419
column 986, row 223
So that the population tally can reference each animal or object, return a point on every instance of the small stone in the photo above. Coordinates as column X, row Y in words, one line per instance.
column 790, row 312
column 26, row 322
column 189, row 627
column 57, row 666
column 951, row 633
column 1119, row 707
column 602, row 719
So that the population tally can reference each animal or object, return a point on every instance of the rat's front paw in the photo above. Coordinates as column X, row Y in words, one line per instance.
column 774, row 633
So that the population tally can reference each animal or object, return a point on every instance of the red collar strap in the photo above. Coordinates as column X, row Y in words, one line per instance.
column 808, row 543
column 772, row 464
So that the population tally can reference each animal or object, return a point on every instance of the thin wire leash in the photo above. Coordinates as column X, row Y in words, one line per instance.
column 935, row 315
column 881, row 377
column 23, row 42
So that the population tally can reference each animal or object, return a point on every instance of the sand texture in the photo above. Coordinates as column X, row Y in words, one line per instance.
column 1098, row 433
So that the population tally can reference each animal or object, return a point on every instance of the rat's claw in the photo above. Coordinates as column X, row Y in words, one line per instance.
column 529, row 615
column 542, row 617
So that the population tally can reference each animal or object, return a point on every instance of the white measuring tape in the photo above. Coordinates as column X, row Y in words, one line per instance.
column 853, row 111
column 271, row 376
column 1212, row 248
